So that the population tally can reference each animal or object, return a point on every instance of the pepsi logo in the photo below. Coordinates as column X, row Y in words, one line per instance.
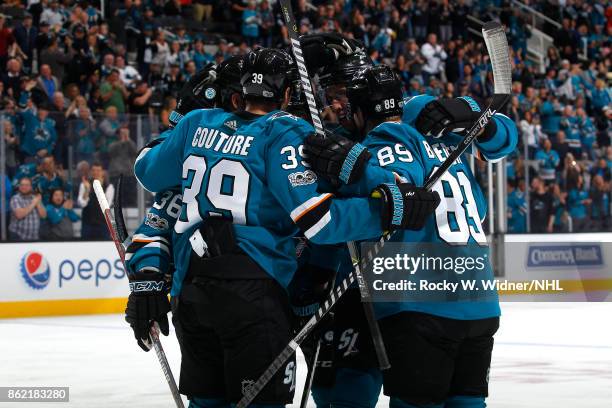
column 35, row 270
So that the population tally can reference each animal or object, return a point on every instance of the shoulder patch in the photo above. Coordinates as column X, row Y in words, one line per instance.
column 302, row 178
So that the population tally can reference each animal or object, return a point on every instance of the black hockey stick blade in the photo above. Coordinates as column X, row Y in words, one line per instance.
column 122, row 232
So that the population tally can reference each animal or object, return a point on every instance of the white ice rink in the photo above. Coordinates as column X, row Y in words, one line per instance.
column 546, row 355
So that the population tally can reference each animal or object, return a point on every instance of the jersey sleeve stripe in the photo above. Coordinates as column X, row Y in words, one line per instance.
column 308, row 205
column 314, row 230
column 313, row 215
column 146, row 238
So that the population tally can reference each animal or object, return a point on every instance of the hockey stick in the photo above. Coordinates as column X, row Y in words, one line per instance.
column 497, row 47
column 122, row 232
column 366, row 298
column 154, row 331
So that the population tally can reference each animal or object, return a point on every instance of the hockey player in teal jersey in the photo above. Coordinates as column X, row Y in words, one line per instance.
column 246, row 194
column 414, row 331
column 149, row 255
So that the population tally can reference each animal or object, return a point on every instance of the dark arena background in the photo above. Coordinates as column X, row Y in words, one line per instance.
column 85, row 85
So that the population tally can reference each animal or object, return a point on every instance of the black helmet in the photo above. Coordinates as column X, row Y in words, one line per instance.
column 267, row 74
column 377, row 91
column 342, row 71
column 228, row 81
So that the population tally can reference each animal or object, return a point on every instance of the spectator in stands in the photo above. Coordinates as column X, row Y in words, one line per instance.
column 199, row 54
column 532, row 131
column 47, row 82
column 517, row 207
column 602, row 169
column 25, row 36
column 250, row 23
column 51, row 177
column 85, row 130
column 54, row 15
column 39, row 134
column 541, row 208
column 108, row 64
column 588, row 133
column 6, row 39
column 569, row 124
column 139, row 99
column 434, row 55
column 600, row 203
column 203, row 10
column 561, row 223
column 107, row 129
column 561, row 147
column 548, row 160
column 577, row 202
column 12, row 78
column 57, row 59
column 128, row 74
column 60, row 217
column 123, row 153
column 113, row 92
column 93, row 225
column 11, row 140
column 27, row 210
column 5, row 207
column 600, row 96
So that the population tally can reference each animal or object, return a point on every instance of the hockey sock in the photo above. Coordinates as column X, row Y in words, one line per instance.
column 398, row 403
column 321, row 396
column 465, row 401
column 356, row 388
column 208, row 403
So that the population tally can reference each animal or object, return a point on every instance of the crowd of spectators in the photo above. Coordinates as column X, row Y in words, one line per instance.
column 75, row 78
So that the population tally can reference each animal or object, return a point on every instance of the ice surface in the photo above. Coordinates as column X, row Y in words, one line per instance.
column 546, row 355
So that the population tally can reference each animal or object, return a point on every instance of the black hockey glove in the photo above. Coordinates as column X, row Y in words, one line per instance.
column 147, row 303
column 195, row 94
column 324, row 49
column 335, row 158
column 452, row 115
column 406, row 206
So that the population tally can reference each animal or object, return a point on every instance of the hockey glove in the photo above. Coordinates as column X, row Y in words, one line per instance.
column 147, row 303
column 335, row 158
column 324, row 49
column 193, row 95
column 452, row 115
column 405, row 206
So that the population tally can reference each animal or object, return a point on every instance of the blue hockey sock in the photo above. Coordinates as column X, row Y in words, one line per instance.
column 197, row 402
column 321, row 396
column 356, row 388
column 465, row 401
column 398, row 403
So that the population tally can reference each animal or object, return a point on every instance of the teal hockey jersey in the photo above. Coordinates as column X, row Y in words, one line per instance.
column 250, row 169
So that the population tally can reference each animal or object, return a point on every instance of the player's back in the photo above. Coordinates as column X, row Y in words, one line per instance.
column 457, row 225
column 237, row 169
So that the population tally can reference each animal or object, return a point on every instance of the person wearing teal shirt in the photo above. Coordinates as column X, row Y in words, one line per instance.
column 577, row 201
column 60, row 217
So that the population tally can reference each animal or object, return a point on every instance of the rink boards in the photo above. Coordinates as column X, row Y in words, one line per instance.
column 63, row 278
column 70, row 278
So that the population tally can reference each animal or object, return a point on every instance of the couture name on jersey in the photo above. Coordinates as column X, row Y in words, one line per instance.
column 214, row 139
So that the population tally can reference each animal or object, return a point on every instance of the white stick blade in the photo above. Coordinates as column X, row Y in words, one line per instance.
column 499, row 53
column 100, row 195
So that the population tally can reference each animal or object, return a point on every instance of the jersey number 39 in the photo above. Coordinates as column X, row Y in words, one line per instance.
column 227, row 190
